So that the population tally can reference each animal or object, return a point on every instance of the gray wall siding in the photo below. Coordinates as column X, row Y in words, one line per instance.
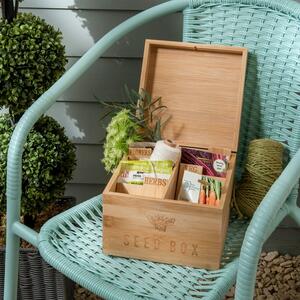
column 83, row 23
column 92, row 4
column 82, row 28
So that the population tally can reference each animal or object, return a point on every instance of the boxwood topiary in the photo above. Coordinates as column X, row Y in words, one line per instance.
column 32, row 58
column 48, row 163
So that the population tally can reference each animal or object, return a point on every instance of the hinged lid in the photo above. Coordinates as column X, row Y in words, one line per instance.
column 202, row 86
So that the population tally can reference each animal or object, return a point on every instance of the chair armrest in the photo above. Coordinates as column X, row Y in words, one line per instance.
column 264, row 221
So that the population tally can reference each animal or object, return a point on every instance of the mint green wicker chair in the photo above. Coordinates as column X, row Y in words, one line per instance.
column 71, row 241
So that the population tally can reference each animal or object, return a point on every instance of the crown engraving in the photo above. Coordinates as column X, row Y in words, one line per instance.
column 161, row 222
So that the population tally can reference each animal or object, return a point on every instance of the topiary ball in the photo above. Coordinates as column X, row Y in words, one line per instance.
column 32, row 58
column 48, row 163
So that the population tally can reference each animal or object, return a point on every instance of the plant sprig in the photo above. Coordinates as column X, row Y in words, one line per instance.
column 143, row 110
column 136, row 120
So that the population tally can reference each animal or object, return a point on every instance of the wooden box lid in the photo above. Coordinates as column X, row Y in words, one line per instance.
column 202, row 86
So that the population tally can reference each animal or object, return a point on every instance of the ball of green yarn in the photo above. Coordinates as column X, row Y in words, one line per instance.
column 263, row 166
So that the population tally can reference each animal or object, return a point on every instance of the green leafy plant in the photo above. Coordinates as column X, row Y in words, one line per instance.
column 48, row 163
column 32, row 58
column 139, row 119
column 147, row 113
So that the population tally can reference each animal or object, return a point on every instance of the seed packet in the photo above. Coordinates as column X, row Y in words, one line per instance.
column 182, row 168
column 213, row 164
column 139, row 153
column 141, row 171
column 190, row 187
column 210, row 191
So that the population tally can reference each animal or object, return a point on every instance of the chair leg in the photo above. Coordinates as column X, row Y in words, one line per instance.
column 11, row 265
column 295, row 214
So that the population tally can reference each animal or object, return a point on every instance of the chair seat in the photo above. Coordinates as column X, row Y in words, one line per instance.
column 72, row 243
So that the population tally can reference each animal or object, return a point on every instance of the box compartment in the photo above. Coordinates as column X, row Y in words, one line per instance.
column 156, row 191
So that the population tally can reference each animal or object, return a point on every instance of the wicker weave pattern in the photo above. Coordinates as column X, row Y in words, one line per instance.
column 37, row 280
column 271, row 103
column 78, row 237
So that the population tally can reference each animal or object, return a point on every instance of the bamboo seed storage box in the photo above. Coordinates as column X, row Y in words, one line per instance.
column 202, row 86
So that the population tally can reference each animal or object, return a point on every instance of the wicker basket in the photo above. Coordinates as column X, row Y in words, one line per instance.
column 37, row 280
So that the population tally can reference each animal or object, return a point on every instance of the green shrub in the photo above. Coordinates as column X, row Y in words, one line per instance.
column 32, row 58
column 48, row 163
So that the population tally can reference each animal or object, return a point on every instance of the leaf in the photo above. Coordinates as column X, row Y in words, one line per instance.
column 115, row 105
column 136, row 95
column 153, row 102
column 157, row 134
column 133, row 107
column 146, row 96
column 106, row 114
column 128, row 94
column 155, row 109
column 166, row 121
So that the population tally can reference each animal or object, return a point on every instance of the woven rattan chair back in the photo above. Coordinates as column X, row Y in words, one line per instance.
column 272, row 35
